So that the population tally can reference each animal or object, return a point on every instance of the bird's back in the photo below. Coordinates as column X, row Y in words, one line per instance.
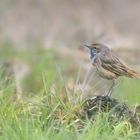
column 110, row 65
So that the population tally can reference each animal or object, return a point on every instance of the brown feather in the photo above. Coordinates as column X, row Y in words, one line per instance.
column 133, row 74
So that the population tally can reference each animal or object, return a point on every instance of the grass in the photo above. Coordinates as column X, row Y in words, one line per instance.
column 128, row 91
column 48, row 111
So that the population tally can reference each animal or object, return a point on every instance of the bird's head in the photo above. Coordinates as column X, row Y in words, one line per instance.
column 97, row 48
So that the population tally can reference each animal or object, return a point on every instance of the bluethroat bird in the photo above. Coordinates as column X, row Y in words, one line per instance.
column 108, row 65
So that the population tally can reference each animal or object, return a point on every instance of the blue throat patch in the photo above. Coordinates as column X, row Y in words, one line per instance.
column 91, row 54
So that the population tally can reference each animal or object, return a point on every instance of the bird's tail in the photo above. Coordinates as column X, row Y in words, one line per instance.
column 132, row 73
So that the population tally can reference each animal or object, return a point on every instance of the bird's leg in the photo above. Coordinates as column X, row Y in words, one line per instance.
column 111, row 88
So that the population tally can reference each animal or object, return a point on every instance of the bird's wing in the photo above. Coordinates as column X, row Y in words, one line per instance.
column 113, row 64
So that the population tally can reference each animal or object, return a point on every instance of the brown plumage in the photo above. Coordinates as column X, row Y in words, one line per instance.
column 132, row 73
column 108, row 65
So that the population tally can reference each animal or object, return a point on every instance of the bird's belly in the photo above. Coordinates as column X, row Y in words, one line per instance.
column 105, row 73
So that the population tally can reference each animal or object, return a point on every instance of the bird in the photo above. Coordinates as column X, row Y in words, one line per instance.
column 108, row 64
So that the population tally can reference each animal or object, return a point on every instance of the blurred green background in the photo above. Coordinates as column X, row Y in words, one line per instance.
column 39, row 36
column 42, row 54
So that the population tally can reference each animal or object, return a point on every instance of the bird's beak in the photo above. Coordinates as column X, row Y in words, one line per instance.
column 87, row 46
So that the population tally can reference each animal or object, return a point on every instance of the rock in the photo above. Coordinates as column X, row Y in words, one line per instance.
column 104, row 104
